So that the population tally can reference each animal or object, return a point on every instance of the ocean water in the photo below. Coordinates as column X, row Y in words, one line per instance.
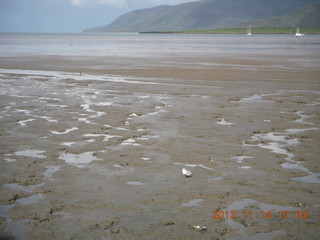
column 134, row 44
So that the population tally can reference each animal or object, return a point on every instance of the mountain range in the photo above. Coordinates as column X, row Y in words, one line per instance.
column 215, row 14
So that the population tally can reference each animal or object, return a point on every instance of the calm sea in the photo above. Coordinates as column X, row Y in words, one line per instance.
column 140, row 45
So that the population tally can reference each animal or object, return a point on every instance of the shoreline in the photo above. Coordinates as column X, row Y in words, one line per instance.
column 239, row 31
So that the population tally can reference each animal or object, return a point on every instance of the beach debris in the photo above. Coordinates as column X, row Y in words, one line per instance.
column 115, row 231
column 108, row 224
column 200, row 228
column 168, row 224
column 186, row 173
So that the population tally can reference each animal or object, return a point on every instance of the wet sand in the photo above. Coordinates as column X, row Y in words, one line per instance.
column 98, row 155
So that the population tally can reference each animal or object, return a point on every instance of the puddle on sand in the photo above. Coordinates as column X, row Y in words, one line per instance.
column 244, row 167
column 106, row 136
column 79, row 159
column 30, row 200
column 240, row 159
column 278, row 142
column 51, row 170
column 241, row 229
column 194, row 165
column 65, row 131
column 262, row 236
column 264, row 207
column 223, row 122
column 85, row 120
column 254, row 98
column 135, row 183
column 9, row 160
column 216, row 179
column 68, row 144
column 312, row 178
column 104, row 103
column 4, row 209
column 146, row 138
column 303, row 117
column 28, row 188
column 193, row 203
column 130, row 142
column 31, row 153
column 65, row 215
column 18, row 229
column 299, row 130
column 23, row 122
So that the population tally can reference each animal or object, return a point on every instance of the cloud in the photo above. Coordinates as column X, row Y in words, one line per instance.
column 148, row 3
column 161, row 2
column 127, row 3
column 115, row 3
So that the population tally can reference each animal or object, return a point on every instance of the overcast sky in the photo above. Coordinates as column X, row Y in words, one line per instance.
column 67, row 15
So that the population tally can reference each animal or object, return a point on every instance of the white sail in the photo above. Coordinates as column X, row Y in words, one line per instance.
column 298, row 34
column 249, row 33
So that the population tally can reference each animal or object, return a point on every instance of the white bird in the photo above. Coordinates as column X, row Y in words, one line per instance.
column 186, row 173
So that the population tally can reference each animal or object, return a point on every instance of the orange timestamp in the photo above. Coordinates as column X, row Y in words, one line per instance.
column 285, row 214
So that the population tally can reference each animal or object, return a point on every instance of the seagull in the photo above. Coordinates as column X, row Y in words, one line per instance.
column 186, row 173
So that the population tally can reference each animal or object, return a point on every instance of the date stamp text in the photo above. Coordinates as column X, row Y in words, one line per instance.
column 285, row 214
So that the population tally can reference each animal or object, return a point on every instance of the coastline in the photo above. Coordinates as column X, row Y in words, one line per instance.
column 239, row 31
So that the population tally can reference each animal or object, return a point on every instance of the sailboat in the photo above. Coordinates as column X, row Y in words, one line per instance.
column 249, row 31
column 298, row 34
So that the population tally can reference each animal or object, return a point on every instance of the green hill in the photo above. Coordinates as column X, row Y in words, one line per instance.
column 305, row 17
column 213, row 14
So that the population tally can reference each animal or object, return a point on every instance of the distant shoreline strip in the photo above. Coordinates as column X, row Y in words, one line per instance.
column 239, row 31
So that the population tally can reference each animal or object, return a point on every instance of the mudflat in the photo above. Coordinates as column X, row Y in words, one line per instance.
column 94, row 147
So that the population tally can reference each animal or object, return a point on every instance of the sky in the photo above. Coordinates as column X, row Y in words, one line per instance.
column 67, row 15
